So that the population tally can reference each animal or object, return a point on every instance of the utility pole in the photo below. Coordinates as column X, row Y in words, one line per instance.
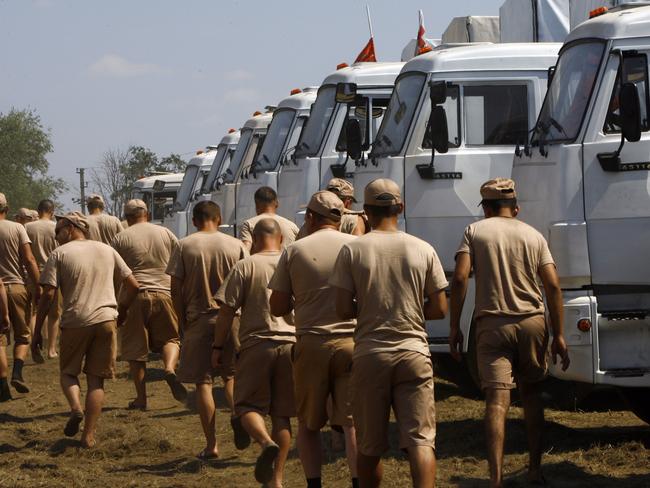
column 82, row 188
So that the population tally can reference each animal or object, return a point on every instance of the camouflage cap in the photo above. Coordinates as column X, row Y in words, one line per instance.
column 77, row 219
column 498, row 189
column 342, row 188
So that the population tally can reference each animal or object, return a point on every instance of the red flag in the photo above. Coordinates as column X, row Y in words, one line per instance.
column 367, row 54
column 423, row 46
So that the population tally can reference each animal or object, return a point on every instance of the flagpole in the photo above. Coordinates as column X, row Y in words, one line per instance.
column 420, row 17
column 369, row 20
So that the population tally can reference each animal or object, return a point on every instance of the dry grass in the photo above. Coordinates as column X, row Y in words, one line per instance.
column 157, row 447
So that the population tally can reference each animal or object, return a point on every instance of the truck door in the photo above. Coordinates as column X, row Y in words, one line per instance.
column 617, row 197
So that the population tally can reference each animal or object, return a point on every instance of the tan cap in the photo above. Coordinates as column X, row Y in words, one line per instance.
column 77, row 219
column 327, row 204
column 94, row 197
column 133, row 205
column 498, row 189
column 342, row 188
column 24, row 213
column 34, row 214
column 382, row 192
column 3, row 200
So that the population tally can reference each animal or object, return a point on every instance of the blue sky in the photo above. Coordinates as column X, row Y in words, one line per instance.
column 175, row 75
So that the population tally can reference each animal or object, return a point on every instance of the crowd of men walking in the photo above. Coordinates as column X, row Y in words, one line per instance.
column 324, row 323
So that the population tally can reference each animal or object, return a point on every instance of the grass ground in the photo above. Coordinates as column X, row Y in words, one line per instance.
column 156, row 448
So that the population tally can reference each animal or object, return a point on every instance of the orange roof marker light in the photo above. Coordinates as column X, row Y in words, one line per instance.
column 199, row 152
column 597, row 12
column 256, row 113
column 295, row 91
column 342, row 65
column 230, row 131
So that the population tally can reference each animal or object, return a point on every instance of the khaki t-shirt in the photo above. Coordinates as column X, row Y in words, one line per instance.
column 246, row 287
column 146, row 248
column 202, row 261
column 104, row 227
column 12, row 236
column 84, row 271
column 288, row 228
column 303, row 271
column 43, row 237
column 506, row 255
column 349, row 221
column 390, row 273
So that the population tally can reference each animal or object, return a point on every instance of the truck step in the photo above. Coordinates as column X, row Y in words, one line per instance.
column 627, row 372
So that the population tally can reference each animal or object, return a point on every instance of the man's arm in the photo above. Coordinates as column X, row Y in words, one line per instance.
column 222, row 330
column 360, row 228
column 44, row 305
column 4, row 309
column 553, row 292
column 436, row 306
column 130, row 288
column 29, row 262
column 177, row 300
column 281, row 303
column 457, row 300
column 346, row 307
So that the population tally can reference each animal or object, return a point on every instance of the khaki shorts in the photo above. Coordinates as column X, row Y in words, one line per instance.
column 510, row 349
column 96, row 343
column 402, row 380
column 18, row 300
column 321, row 368
column 196, row 353
column 150, row 324
column 264, row 380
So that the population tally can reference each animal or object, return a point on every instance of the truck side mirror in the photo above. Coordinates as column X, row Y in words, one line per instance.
column 439, row 130
column 346, row 92
column 438, row 92
column 353, row 138
column 630, row 108
column 549, row 76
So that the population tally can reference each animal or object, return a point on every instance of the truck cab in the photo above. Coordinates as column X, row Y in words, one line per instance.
column 279, row 144
column 584, row 182
column 196, row 172
column 486, row 98
column 322, row 148
column 224, row 191
column 159, row 193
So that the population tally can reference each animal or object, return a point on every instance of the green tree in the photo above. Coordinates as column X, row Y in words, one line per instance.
column 24, row 145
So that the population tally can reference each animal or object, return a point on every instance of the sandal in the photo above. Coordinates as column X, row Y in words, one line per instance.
column 135, row 406
column 264, row 463
column 72, row 425
column 179, row 392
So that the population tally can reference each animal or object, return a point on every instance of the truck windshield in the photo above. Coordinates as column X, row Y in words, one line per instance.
column 319, row 119
column 275, row 140
column 403, row 103
column 187, row 187
column 235, row 162
column 220, row 160
column 569, row 93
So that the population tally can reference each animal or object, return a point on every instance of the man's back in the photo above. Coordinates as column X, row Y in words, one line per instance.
column 12, row 236
column 303, row 271
column 43, row 237
column 202, row 261
column 104, row 227
column 288, row 228
column 147, row 248
column 506, row 256
column 84, row 272
column 390, row 273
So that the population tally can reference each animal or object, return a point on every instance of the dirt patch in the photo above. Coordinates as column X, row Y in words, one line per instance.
column 157, row 448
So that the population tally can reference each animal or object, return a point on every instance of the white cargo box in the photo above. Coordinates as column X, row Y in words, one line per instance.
column 534, row 20
column 472, row 29
column 580, row 8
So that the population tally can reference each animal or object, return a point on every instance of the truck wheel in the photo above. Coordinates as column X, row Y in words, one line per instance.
column 470, row 357
column 638, row 400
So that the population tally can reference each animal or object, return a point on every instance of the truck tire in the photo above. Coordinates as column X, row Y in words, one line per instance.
column 638, row 400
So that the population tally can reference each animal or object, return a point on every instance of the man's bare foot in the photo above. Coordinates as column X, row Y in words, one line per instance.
column 88, row 443
column 52, row 354
column 207, row 454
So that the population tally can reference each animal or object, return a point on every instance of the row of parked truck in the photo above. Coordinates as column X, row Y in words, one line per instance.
column 568, row 121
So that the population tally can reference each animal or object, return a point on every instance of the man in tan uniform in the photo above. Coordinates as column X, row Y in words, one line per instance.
column 323, row 351
column 84, row 271
column 103, row 227
column 41, row 233
column 507, row 256
column 382, row 279
column 351, row 222
column 5, row 392
column 266, row 205
column 16, row 256
column 23, row 217
column 151, row 322
column 198, row 267
column 263, row 372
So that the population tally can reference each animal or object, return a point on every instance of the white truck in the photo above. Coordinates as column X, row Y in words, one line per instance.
column 224, row 192
column 159, row 193
column 486, row 98
column 321, row 151
column 179, row 220
column 279, row 144
column 584, row 182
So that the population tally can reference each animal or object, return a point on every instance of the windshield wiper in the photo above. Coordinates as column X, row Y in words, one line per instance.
column 557, row 125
